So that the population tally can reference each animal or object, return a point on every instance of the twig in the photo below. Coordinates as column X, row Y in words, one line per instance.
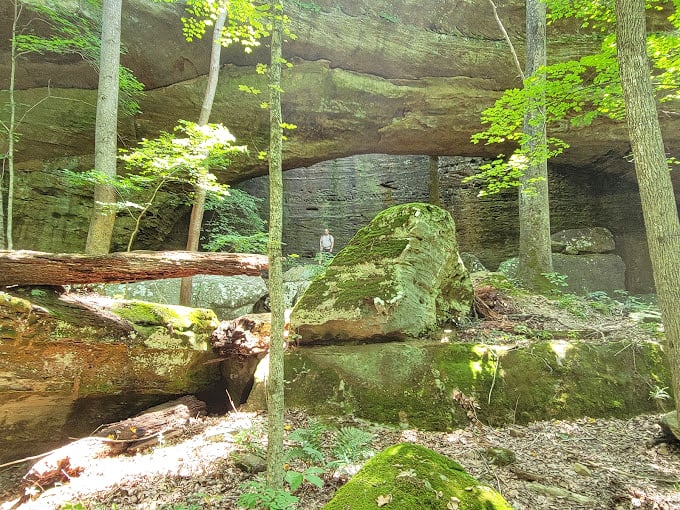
column 26, row 459
column 507, row 39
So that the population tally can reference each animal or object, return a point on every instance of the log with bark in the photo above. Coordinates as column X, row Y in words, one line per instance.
column 246, row 335
column 38, row 268
column 127, row 436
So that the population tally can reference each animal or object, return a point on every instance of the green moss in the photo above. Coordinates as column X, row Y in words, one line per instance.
column 413, row 476
column 413, row 384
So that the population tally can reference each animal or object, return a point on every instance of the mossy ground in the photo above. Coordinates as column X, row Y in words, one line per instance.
column 409, row 476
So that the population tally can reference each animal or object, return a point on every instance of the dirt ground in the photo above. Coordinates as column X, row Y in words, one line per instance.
column 587, row 463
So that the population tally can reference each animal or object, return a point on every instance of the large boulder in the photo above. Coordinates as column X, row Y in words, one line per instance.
column 439, row 386
column 400, row 276
column 583, row 240
column 69, row 365
column 407, row 476
column 591, row 272
column 228, row 296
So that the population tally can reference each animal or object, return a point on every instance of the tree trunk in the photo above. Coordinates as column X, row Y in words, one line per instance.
column 535, row 255
column 7, row 234
column 656, row 190
column 433, row 181
column 275, row 402
column 106, row 130
column 37, row 268
column 198, row 208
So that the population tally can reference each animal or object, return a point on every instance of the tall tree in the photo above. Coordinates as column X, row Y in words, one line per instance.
column 535, row 254
column 11, row 133
column 275, row 401
column 106, row 130
column 233, row 21
column 200, row 191
column 651, row 167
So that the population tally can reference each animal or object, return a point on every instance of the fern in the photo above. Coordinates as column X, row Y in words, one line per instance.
column 309, row 443
column 352, row 444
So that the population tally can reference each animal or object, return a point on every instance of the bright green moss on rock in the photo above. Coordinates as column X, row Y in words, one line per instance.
column 411, row 476
column 414, row 384
column 169, row 326
column 399, row 277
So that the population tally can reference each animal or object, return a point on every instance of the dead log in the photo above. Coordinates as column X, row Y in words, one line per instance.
column 247, row 335
column 38, row 268
column 71, row 460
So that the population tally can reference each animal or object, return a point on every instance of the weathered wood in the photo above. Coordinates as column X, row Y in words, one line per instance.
column 159, row 419
column 38, row 268
column 71, row 460
column 245, row 335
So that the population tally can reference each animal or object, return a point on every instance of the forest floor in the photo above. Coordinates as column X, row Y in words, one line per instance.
column 587, row 463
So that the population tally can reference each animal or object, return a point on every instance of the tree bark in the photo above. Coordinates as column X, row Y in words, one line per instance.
column 651, row 167
column 275, row 402
column 433, row 181
column 198, row 209
column 106, row 130
column 535, row 255
column 37, row 268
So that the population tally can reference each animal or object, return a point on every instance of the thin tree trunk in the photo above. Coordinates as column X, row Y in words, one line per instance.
column 10, row 131
column 106, row 130
column 433, row 181
column 275, row 400
column 656, row 190
column 198, row 209
column 535, row 255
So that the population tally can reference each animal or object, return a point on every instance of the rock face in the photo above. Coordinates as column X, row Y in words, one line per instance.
column 408, row 476
column 228, row 296
column 400, row 276
column 411, row 384
column 65, row 371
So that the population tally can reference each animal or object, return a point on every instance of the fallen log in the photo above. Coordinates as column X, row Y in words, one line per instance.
column 25, row 267
column 71, row 460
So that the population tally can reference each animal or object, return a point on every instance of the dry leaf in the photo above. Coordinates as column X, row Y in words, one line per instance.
column 383, row 500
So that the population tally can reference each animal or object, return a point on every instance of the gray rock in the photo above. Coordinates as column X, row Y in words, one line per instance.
column 400, row 276
column 604, row 272
column 228, row 296
column 583, row 240
column 472, row 263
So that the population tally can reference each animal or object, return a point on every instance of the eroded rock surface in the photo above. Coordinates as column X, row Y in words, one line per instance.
column 400, row 276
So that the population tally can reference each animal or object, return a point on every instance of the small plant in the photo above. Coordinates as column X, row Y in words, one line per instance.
column 658, row 393
column 557, row 280
column 351, row 445
column 310, row 475
column 308, row 443
column 259, row 496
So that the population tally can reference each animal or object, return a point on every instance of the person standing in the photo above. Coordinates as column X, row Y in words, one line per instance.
column 326, row 243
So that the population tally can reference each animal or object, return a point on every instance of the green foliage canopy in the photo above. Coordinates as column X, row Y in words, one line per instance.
column 577, row 91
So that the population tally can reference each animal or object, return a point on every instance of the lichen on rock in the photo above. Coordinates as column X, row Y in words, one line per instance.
column 400, row 276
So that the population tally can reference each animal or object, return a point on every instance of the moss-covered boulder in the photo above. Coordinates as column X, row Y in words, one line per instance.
column 434, row 386
column 68, row 365
column 409, row 476
column 399, row 277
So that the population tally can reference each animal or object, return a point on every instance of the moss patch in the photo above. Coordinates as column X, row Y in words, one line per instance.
column 415, row 384
column 169, row 326
column 409, row 476
column 399, row 276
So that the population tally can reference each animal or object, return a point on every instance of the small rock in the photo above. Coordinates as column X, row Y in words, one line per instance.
column 582, row 470
column 249, row 463
column 500, row 456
